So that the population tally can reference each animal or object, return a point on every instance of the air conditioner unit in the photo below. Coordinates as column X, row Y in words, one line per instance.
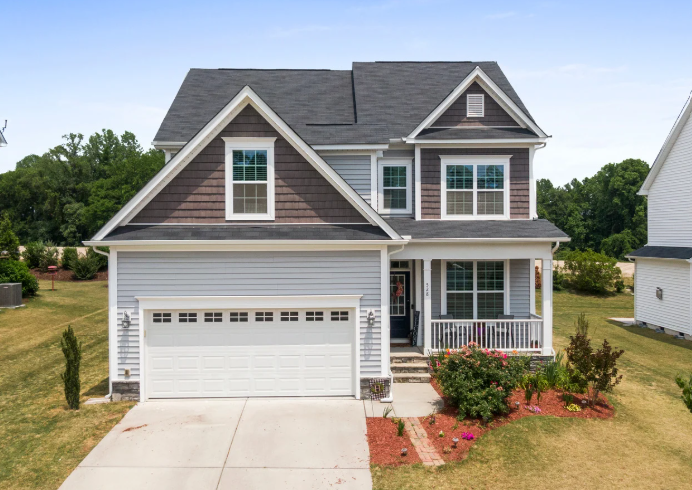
column 11, row 295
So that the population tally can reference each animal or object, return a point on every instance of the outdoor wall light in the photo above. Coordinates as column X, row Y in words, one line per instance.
column 455, row 441
column 126, row 320
column 371, row 319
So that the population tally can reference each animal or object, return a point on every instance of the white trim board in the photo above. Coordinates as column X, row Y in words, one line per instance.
column 478, row 75
column 244, row 98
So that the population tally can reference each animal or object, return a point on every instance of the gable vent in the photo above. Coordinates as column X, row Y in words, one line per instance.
column 474, row 105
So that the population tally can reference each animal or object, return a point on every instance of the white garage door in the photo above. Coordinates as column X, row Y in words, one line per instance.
column 227, row 353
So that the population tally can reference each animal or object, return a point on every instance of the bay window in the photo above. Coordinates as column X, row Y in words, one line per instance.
column 473, row 289
column 249, row 178
column 475, row 187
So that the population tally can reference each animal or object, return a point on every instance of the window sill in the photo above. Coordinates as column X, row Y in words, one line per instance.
column 249, row 217
column 480, row 217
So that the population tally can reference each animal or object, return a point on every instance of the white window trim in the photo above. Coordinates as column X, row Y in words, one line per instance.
column 443, row 288
column 482, row 96
column 250, row 144
column 394, row 162
column 474, row 160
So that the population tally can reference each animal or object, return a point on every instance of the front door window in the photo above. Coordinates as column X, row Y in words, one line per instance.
column 397, row 290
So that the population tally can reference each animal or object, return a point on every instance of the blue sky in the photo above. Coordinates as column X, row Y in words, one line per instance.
column 605, row 79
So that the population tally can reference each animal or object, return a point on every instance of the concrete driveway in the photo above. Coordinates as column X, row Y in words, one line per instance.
column 232, row 444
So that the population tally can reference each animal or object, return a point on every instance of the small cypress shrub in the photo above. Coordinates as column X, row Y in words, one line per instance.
column 85, row 268
column 72, row 349
column 69, row 256
column 100, row 259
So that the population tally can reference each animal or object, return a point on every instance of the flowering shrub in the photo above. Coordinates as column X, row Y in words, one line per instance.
column 468, row 436
column 479, row 381
column 533, row 408
column 572, row 407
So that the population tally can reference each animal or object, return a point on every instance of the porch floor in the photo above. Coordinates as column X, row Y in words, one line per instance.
column 406, row 350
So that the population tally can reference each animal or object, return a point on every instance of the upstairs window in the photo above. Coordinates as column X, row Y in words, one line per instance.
column 475, row 187
column 249, row 178
column 395, row 186
column 475, row 105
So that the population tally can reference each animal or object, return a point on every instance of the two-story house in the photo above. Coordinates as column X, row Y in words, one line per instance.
column 663, row 270
column 308, row 220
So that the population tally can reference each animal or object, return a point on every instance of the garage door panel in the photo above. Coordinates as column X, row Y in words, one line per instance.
column 226, row 359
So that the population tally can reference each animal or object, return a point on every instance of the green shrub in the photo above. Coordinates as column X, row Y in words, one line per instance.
column 16, row 271
column 555, row 372
column 85, row 268
column 591, row 272
column 619, row 285
column 8, row 240
column 686, row 387
column 72, row 349
column 49, row 257
column 101, row 260
column 32, row 254
column 400, row 428
column 69, row 256
column 478, row 381
column 558, row 280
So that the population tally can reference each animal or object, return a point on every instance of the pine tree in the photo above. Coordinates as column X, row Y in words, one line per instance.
column 73, row 355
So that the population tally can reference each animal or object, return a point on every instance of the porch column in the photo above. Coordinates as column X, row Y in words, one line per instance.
column 547, row 305
column 427, row 305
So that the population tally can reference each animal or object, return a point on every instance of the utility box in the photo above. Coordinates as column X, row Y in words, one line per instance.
column 11, row 295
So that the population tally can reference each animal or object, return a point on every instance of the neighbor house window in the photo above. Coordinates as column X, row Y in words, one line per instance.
column 474, row 289
column 249, row 178
column 475, row 105
column 395, row 186
column 475, row 187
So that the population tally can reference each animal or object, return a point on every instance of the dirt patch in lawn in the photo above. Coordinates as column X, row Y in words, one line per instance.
column 66, row 275
column 385, row 445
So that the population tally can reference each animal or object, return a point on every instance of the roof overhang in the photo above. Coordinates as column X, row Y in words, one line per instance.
column 245, row 97
column 485, row 142
column 3, row 141
column 667, row 147
column 160, row 243
column 478, row 75
column 491, row 240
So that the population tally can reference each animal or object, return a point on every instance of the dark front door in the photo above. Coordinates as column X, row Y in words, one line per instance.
column 399, row 304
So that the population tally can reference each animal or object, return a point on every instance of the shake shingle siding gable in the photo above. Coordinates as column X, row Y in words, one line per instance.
column 197, row 193
column 455, row 116
column 518, row 178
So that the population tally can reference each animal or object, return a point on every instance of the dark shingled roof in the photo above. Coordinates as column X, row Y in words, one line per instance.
column 371, row 103
column 656, row 252
column 474, row 133
column 519, row 229
column 247, row 232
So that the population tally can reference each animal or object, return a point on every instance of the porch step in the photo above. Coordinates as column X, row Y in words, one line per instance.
column 411, row 377
column 409, row 367
column 407, row 357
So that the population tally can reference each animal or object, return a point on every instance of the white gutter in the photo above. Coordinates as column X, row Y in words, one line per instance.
column 111, row 243
column 110, row 381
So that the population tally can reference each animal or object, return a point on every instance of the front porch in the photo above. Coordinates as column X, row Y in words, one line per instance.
column 455, row 294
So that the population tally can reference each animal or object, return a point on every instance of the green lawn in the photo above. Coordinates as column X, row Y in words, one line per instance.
column 41, row 441
column 648, row 444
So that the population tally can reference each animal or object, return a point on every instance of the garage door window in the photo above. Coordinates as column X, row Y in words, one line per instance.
column 213, row 317
column 238, row 316
column 339, row 316
column 162, row 318
column 289, row 316
column 314, row 316
column 264, row 316
column 187, row 317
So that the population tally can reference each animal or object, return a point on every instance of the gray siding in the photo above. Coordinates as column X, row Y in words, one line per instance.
column 520, row 288
column 248, row 273
column 436, row 288
column 355, row 170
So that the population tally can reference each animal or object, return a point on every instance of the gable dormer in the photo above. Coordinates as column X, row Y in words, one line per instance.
column 473, row 108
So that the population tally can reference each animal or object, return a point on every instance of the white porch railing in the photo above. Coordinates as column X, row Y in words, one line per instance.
column 521, row 335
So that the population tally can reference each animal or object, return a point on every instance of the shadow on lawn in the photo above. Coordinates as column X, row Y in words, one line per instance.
column 650, row 334
column 99, row 389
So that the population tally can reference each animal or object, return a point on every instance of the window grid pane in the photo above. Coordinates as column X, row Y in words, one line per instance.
column 339, row 316
column 460, row 305
column 394, row 176
column 490, row 176
column 459, row 276
column 264, row 316
column 249, row 198
column 459, row 202
column 491, row 202
column 314, row 316
column 289, row 316
column 460, row 177
column 490, row 305
column 394, row 198
column 250, row 165
column 491, row 276
column 213, row 317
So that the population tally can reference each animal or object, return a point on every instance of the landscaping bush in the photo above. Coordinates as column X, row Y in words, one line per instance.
column 101, row 260
column 85, row 268
column 8, row 240
column 591, row 272
column 16, row 271
column 69, row 257
column 558, row 280
column 479, row 381
column 555, row 372
column 32, row 254
column 49, row 257
column 686, row 387
column 72, row 349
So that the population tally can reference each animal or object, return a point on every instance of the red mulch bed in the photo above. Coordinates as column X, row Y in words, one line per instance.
column 385, row 445
column 445, row 421
column 66, row 275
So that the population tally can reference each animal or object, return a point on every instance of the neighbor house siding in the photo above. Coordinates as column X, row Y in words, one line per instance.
column 355, row 170
column 670, row 199
column 518, row 178
column 520, row 288
column 197, row 193
column 248, row 274
column 673, row 276
column 455, row 115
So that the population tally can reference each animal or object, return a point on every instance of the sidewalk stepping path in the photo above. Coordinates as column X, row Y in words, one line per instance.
column 420, row 441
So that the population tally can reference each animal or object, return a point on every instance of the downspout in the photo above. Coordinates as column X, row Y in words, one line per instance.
column 110, row 381
column 390, row 398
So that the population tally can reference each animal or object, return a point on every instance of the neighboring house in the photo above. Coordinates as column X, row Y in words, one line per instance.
column 3, row 141
column 308, row 219
column 663, row 272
